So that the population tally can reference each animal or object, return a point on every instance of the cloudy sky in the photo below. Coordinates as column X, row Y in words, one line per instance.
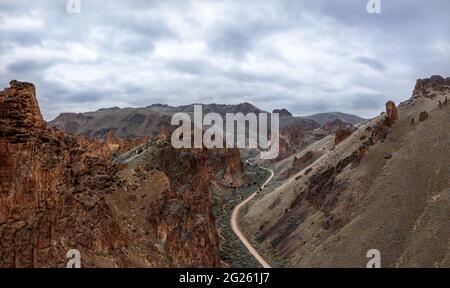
column 307, row 56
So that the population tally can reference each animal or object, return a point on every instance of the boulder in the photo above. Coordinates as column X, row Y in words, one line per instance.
column 423, row 116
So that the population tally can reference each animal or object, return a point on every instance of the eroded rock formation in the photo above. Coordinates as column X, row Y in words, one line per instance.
column 293, row 135
column 391, row 113
column 429, row 86
column 342, row 134
column 53, row 190
column 60, row 192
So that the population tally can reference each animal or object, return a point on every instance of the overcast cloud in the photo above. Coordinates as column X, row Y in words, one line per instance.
column 307, row 56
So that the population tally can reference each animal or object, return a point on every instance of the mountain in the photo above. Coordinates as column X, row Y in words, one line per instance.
column 155, row 120
column 338, row 191
column 153, row 208
column 296, row 133
column 384, row 186
column 323, row 118
column 135, row 122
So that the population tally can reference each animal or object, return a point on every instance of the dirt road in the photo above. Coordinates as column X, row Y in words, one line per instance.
column 235, row 225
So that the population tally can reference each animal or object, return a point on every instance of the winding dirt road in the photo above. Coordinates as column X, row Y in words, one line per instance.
column 235, row 225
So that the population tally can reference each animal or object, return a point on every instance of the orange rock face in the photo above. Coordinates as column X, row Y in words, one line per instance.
column 53, row 190
column 292, row 136
column 19, row 111
column 391, row 112
column 60, row 192
column 342, row 134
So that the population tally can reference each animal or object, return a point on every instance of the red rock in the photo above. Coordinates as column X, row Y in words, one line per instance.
column 391, row 111
column 292, row 136
column 341, row 135
column 19, row 110
column 61, row 192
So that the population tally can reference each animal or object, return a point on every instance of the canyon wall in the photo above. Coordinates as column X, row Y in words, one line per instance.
column 60, row 192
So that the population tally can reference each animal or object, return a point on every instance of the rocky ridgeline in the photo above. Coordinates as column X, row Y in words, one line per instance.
column 323, row 188
column 283, row 112
column 60, row 192
column 428, row 86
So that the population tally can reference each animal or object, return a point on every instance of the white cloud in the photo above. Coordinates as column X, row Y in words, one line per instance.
column 307, row 57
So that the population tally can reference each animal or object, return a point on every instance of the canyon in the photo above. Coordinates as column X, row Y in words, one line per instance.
column 110, row 184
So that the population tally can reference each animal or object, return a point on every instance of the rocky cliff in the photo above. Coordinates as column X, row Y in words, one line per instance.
column 53, row 189
column 60, row 192
column 295, row 134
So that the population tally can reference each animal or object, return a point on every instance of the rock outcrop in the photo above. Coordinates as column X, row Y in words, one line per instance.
column 341, row 129
column 391, row 113
column 293, row 135
column 342, row 134
column 423, row 116
column 60, row 192
column 19, row 111
column 182, row 217
column 53, row 191
column 282, row 112
column 429, row 86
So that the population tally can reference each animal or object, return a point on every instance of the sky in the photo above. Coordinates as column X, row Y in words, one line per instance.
column 306, row 56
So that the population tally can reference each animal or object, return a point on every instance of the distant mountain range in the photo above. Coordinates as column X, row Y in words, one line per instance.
column 155, row 119
column 324, row 118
